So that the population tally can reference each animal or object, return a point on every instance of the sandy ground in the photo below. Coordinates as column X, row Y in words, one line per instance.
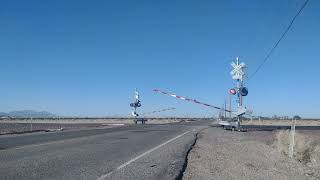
column 221, row 154
column 19, row 126
column 305, row 122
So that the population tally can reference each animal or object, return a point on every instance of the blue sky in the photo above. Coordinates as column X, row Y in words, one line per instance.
column 86, row 57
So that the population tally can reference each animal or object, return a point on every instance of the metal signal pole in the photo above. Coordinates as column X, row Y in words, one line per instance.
column 230, row 105
column 136, row 103
column 239, row 82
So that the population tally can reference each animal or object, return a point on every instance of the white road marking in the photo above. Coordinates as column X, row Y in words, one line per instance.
column 115, row 124
column 143, row 154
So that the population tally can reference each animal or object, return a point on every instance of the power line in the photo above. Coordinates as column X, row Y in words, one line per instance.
column 281, row 37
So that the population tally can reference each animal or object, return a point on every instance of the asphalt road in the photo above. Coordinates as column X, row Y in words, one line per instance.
column 128, row 152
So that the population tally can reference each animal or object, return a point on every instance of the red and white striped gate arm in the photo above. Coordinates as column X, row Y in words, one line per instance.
column 188, row 99
column 162, row 110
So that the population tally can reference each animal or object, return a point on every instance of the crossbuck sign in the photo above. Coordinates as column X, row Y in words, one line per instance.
column 237, row 72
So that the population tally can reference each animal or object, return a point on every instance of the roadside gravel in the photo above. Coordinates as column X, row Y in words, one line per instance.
column 220, row 154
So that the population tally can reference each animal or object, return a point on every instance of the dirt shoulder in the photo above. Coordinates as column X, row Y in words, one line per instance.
column 303, row 122
column 221, row 154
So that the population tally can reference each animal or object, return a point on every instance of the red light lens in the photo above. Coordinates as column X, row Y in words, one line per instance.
column 232, row 91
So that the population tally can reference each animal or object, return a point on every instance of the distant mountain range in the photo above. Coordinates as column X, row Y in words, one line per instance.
column 28, row 114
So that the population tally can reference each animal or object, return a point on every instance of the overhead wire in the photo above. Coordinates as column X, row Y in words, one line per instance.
column 279, row 40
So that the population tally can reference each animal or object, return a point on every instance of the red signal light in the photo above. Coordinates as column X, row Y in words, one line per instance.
column 232, row 91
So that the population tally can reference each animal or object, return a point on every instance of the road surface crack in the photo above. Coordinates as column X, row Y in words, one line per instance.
column 184, row 167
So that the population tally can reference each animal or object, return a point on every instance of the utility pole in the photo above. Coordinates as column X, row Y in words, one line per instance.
column 31, row 128
column 292, row 134
column 225, row 107
column 59, row 122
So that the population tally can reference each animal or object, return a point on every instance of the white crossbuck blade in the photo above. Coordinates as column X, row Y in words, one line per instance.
column 237, row 72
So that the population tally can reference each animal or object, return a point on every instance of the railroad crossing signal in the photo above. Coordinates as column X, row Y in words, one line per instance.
column 238, row 73
column 136, row 103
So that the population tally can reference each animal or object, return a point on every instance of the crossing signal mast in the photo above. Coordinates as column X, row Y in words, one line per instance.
column 238, row 74
column 136, row 103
